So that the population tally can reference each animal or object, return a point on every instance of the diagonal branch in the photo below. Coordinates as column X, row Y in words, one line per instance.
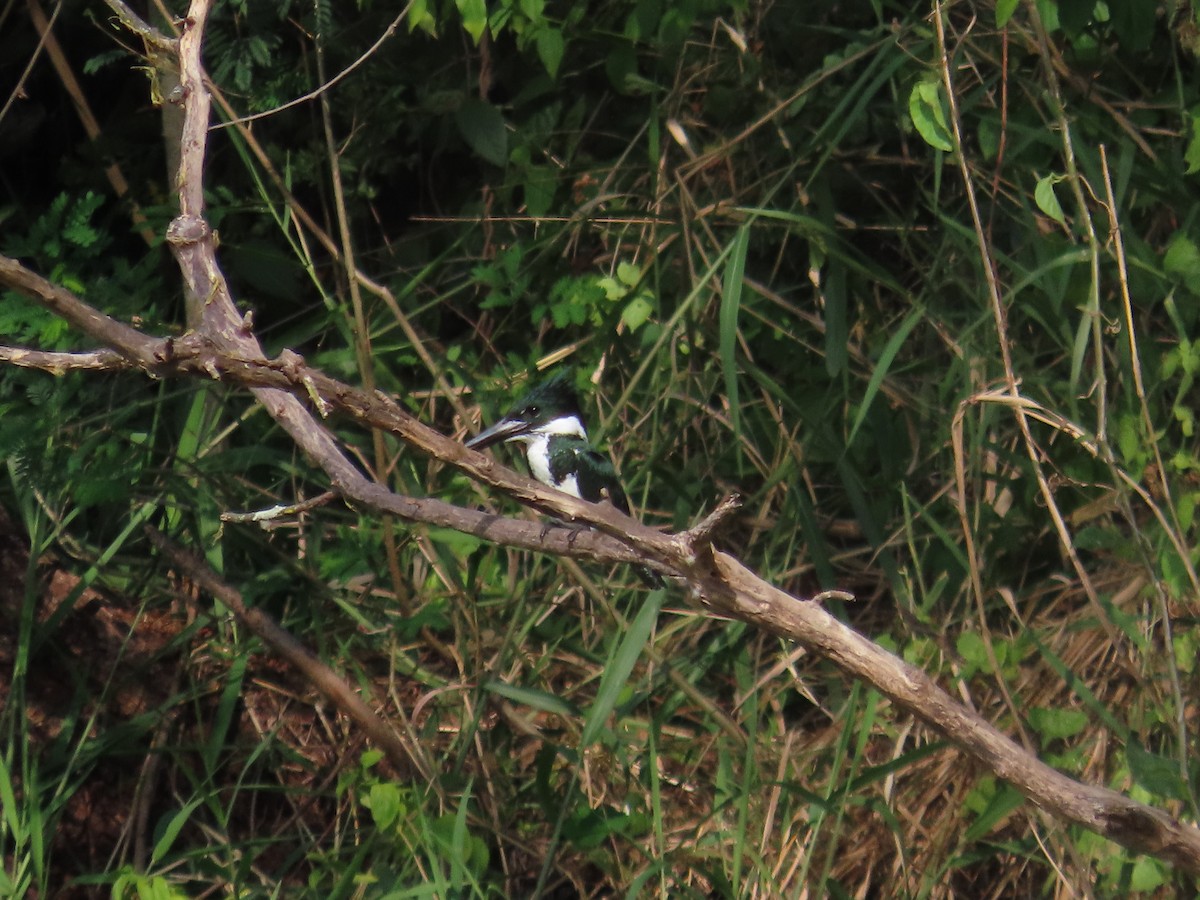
column 323, row 678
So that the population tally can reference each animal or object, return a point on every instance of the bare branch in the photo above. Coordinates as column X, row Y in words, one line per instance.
column 266, row 518
column 61, row 363
column 323, row 678
column 702, row 533
column 143, row 29
column 129, row 342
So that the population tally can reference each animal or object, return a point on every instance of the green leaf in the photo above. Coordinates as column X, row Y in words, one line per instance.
column 621, row 67
column 219, row 724
column 533, row 9
column 482, row 127
column 895, row 342
column 928, row 114
column 1182, row 260
column 419, row 16
column 1147, row 875
column 550, row 45
column 628, row 273
column 1005, row 10
column 1155, row 773
column 636, row 313
column 459, row 542
column 384, row 803
column 1056, row 724
column 1002, row 802
column 532, row 697
column 971, row 648
column 474, row 16
column 1192, row 155
column 540, row 182
column 1047, row 200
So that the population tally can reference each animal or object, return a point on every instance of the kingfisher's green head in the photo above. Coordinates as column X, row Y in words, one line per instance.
column 550, row 408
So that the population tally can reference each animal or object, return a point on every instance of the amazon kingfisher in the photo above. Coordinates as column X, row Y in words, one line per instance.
column 549, row 422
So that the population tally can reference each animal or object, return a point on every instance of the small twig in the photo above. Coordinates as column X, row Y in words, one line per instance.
column 18, row 90
column 143, row 29
column 844, row 596
column 319, row 675
column 268, row 517
column 325, row 86
column 702, row 533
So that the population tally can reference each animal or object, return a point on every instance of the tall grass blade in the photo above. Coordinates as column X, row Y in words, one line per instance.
column 620, row 666
column 880, row 372
column 731, row 301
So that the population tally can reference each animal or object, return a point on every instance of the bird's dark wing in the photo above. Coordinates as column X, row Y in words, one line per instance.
column 595, row 475
column 596, row 478
column 598, row 481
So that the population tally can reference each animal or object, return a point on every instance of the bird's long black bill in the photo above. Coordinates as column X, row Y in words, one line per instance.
column 501, row 431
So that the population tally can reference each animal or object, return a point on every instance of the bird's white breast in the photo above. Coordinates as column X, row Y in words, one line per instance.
column 537, row 451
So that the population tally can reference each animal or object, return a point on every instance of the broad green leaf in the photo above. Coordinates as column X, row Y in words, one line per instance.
column 419, row 16
column 550, row 49
column 533, row 9
column 988, row 134
column 971, row 648
column 636, row 313
column 540, row 182
column 928, row 114
column 1148, row 874
column 1005, row 10
column 1182, row 260
column 1047, row 200
column 474, row 17
column 1185, row 647
column 1155, row 773
column 482, row 127
column 458, row 541
column 385, row 804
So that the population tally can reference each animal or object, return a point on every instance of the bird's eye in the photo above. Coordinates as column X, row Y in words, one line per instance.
column 533, row 410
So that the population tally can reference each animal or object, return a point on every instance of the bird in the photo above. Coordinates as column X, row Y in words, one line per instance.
column 548, row 421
